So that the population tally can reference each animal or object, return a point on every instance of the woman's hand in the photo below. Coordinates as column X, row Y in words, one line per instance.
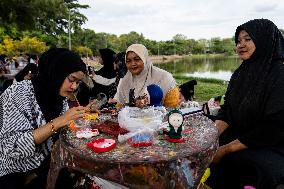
column 112, row 101
column 42, row 133
column 221, row 126
column 72, row 114
column 141, row 101
column 92, row 106
column 221, row 152
column 232, row 147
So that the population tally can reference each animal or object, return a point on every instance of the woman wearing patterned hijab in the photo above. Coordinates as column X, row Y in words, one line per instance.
column 140, row 74
column 251, row 149
column 32, row 112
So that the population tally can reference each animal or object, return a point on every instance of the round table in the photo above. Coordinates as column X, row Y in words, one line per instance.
column 162, row 165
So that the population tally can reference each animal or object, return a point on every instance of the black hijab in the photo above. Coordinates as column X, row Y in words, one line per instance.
column 54, row 66
column 108, row 56
column 248, row 98
column 30, row 67
column 187, row 89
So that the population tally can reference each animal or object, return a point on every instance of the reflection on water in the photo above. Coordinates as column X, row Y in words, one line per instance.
column 218, row 68
column 223, row 75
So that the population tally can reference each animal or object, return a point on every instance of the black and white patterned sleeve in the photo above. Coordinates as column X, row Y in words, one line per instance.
column 16, row 131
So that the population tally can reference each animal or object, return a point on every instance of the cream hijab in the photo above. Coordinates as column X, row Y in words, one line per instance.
column 149, row 75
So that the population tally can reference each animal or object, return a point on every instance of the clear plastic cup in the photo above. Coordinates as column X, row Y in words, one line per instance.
column 101, row 99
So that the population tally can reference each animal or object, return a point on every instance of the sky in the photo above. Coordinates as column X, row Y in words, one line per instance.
column 161, row 20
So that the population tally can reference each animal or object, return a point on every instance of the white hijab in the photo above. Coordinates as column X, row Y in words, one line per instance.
column 149, row 75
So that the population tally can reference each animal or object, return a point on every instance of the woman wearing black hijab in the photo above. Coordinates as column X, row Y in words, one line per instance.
column 103, row 79
column 29, row 71
column 31, row 115
column 251, row 149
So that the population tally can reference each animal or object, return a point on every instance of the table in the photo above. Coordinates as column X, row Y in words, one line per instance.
column 162, row 165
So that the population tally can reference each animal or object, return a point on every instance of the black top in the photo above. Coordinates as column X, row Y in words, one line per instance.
column 254, row 102
column 107, row 71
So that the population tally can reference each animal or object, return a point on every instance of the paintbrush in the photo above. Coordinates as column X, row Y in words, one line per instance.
column 78, row 103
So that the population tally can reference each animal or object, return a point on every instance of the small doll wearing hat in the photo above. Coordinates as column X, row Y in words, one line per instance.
column 175, row 119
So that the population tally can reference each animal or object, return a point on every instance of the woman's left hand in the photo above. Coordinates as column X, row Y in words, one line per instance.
column 232, row 147
column 221, row 152
column 91, row 107
column 141, row 101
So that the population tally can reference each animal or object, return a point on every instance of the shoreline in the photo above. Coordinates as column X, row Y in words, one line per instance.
column 155, row 60
column 166, row 58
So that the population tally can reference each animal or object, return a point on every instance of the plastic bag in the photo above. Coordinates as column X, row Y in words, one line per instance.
column 140, row 122
column 135, row 134
column 133, row 118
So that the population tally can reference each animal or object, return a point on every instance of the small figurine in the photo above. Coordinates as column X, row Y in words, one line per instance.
column 175, row 119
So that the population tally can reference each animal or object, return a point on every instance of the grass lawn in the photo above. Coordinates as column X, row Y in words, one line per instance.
column 205, row 88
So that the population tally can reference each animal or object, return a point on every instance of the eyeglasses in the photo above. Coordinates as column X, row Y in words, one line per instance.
column 74, row 80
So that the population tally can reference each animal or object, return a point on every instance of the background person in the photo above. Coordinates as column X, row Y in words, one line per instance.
column 103, row 81
column 29, row 71
column 251, row 149
column 140, row 74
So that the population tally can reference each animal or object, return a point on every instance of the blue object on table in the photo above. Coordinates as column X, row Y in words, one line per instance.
column 156, row 95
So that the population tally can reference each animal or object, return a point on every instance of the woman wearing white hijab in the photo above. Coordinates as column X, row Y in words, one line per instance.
column 140, row 74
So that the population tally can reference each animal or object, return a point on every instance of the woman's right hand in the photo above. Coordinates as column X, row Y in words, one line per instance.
column 72, row 114
column 112, row 101
column 42, row 133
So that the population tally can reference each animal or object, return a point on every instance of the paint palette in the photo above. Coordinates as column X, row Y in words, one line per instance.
column 102, row 145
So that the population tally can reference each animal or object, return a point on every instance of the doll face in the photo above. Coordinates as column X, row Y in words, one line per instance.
column 175, row 119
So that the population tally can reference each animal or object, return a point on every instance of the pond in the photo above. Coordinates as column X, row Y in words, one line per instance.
column 213, row 67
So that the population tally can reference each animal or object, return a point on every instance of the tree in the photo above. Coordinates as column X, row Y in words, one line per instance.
column 130, row 38
column 83, row 51
column 228, row 46
column 8, row 47
column 31, row 46
column 26, row 45
column 179, row 37
column 199, row 47
column 181, row 44
column 48, row 16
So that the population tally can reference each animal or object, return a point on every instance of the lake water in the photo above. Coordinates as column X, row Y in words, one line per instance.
column 217, row 68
